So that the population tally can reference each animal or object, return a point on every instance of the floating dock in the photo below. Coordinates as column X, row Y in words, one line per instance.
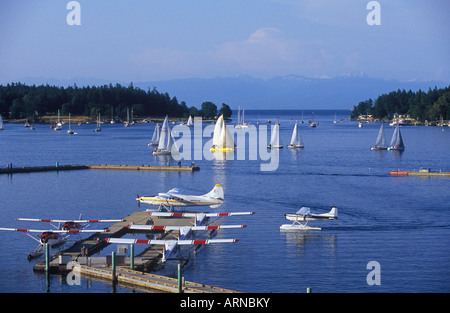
column 57, row 167
column 420, row 173
column 120, row 270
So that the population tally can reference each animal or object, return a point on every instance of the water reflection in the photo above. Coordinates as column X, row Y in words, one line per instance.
column 301, row 240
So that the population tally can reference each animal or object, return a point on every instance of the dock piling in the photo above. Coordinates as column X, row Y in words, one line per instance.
column 132, row 257
column 47, row 258
column 180, row 286
column 113, row 265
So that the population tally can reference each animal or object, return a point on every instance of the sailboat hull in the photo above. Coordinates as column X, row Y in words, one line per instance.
column 221, row 149
column 378, row 148
column 162, row 152
column 396, row 148
column 295, row 146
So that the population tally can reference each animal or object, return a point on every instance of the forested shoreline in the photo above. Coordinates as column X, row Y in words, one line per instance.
column 20, row 101
column 421, row 106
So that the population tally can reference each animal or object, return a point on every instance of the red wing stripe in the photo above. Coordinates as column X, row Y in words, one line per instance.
column 142, row 241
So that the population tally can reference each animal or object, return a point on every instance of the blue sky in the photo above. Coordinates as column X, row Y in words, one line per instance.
column 124, row 41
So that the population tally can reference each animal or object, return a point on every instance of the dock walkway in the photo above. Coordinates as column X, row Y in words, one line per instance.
column 149, row 281
column 419, row 173
column 57, row 167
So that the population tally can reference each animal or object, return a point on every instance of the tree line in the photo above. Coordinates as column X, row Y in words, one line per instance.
column 420, row 105
column 18, row 101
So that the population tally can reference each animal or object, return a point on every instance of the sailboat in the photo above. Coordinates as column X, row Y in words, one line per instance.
column 190, row 123
column 397, row 141
column 70, row 131
column 275, row 138
column 155, row 137
column 241, row 124
column 222, row 139
column 1, row 124
column 380, row 143
column 313, row 124
column 296, row 141
column 127, row 122
column 165, row 140
column 58, row 124
column 98, row 128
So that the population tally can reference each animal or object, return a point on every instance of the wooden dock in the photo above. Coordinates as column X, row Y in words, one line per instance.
column 149, row 281
column 57, row 167
column 419, row 173
column 83, row 252
column 145, row 168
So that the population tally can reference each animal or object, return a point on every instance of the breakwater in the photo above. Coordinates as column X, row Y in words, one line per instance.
column 57, row 167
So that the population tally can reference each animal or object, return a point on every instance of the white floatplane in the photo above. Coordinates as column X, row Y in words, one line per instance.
column 69, row 224
column 304, row 215
column 59, row 235
column 174, row 198
column 53, row 238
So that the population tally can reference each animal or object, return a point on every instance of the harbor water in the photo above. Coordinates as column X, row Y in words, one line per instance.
column 402, row 224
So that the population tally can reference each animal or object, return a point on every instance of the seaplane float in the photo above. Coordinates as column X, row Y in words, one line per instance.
column 301, row 218
column 59, row 235
column 166, row 201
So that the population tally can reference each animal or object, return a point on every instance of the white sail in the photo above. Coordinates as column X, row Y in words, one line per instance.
column 381, row 138
column 166, row 141
column 296, row 141
column 226, row 138
column 275, row 137
column 217, row 131
column 380, row 144
column 1, row 123
column 164, row 138
column 155, row 137
column 222, row 139
column 189, row 122
column 397, row 141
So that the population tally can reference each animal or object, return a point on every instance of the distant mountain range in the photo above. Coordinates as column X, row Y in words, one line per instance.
column 284, row 92
column 281, row 92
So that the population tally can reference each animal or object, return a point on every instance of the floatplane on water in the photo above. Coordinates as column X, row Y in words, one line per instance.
column 303, row 216
column 59, row 235
column 174, row 198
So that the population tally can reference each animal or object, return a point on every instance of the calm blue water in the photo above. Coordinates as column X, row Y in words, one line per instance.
column 403, row 223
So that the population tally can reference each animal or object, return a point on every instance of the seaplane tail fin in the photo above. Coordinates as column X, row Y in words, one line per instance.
column 217, row 194
column 333, row 213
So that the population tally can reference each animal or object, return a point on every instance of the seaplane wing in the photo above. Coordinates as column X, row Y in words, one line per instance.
column 174, row 198
column 304, row 214
column 71, row 231
column 164, row 242
column 176, row 214
column 210, row 227
column 67, row 221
